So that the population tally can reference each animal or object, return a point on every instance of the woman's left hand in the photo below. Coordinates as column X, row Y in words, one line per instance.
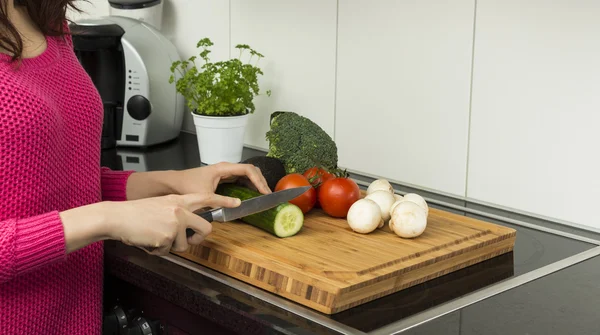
column 207, row 178
column 202, row 180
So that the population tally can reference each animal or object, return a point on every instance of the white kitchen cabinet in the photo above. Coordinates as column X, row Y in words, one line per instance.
column 536, row 108
column 298, row 40
column 403, row 82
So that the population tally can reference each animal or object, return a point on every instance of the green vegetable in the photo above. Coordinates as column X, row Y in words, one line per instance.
column 282, row 221
column 271, row 168
column 222, row 88
column 300, row 143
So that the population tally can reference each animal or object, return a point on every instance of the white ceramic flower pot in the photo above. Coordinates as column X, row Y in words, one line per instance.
column 220, row 138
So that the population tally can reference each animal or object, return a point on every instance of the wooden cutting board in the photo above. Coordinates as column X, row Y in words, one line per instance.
column 329, row 268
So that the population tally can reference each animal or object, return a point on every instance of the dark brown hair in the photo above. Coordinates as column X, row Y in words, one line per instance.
column 48, row 15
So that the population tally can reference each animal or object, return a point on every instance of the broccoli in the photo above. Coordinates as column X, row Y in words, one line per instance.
column 299, row 143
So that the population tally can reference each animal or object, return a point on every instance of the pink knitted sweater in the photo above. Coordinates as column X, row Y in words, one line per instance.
column 50, row 133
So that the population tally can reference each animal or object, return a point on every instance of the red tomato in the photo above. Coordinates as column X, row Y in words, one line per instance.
column 306, row 201
column 317, row 176
column 337, row 195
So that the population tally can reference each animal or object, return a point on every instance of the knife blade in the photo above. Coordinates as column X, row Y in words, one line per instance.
column 250, row 206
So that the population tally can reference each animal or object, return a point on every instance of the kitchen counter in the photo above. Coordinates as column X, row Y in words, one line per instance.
column 547, row 285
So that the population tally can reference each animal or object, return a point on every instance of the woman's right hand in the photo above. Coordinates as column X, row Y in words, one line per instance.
column 156, row 224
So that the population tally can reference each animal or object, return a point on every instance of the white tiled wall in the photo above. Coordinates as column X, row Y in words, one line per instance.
column 495, row 100
column 536, row 107
column 404, row 69
column 298, row 41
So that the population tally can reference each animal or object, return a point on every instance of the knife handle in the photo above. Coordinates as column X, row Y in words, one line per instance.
column 208, row 216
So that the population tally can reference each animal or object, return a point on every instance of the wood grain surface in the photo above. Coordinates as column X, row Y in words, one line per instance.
column 329, row 268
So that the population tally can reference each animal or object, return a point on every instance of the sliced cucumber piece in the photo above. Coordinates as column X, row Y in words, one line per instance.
column 285, row 220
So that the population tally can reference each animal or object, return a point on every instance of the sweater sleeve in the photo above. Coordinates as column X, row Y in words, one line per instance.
column 29, row 243
column 114, row 184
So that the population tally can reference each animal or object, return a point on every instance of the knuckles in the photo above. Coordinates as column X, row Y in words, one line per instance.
column 176, row 211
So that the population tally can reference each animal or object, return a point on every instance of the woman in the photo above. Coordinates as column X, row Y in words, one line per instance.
column 56, row 203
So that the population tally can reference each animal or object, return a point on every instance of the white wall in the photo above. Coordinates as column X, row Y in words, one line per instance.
column 404, row 70
column 298, row 41
column 494, row 100
column 536, row 107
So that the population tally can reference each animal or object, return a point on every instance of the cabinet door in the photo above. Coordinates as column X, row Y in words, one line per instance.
column 403, row 81
column 297, row 38
column 536, row 107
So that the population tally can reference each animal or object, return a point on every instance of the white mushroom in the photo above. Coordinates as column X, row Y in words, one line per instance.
column 380, row 185
column 385, row 200
column 408, row 220
column 417, row 199
column 398, row 200
column 364, row 216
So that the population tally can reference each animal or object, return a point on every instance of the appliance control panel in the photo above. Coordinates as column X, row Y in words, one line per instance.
column 135, row 81
column 137, row 98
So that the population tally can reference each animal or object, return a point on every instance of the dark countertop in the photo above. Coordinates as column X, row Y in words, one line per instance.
column 547, row 285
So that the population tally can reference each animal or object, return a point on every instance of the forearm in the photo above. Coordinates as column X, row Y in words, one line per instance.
column 142, row 185
column 84, row 226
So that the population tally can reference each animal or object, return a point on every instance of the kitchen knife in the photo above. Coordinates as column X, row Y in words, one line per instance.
column 251, row 206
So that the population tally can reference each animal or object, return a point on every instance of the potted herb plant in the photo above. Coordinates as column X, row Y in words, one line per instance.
column 220, row 96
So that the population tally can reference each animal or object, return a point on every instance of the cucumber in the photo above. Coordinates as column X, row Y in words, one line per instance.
column 285, row 220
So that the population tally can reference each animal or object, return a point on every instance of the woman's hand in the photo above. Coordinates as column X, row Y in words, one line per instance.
column 198, row 180
column 206, row 179
column 156, row 224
